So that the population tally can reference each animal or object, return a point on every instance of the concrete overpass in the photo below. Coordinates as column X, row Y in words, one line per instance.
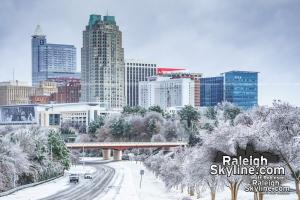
column 117, row 147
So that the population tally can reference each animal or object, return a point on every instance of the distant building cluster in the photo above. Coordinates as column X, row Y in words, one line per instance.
column 112, row 82
column 51, row 60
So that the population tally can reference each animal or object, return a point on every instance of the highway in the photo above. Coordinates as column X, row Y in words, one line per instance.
column 87, row 189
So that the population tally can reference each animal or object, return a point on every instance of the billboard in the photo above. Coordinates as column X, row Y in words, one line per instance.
column 18, row 114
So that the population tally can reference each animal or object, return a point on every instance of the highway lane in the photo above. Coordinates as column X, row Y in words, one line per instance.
column 87, row 189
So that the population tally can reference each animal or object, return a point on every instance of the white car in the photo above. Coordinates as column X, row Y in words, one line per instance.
column 88, row 176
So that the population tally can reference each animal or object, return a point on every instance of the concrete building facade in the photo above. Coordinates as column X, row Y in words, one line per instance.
column 191, row 75
column 15, row 92
column 136, row 71
column 46, row 88
column 102, row 63
column 166, row 92
column 52, row 115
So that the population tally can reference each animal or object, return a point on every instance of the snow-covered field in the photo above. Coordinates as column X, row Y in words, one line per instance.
column 49, row 188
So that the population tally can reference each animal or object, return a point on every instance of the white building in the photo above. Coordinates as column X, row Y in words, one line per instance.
column 52, row 115
column 136, row 71
column 166, row 92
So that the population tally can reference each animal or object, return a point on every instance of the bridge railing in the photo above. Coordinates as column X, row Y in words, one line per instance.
column 125, row 144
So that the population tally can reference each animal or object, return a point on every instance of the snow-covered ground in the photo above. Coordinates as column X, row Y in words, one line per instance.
column 91, row 159
column 80, row 169
column 49, row 188
column 242, row 195
column 126, row 184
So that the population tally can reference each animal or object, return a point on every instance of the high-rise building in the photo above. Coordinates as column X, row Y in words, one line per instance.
column 241, row 88
column 136, row 71
column 211, row 91
column 51, row 60
column 184, row 74
column 166, row 92
column 15, row 92
column 102, row 63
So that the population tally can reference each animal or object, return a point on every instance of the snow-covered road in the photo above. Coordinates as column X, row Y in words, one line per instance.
column 87, row 189
column 117, row 181
column 126, row 184
column 61, row 188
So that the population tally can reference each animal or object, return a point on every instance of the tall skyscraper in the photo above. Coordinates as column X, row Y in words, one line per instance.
column 102, row 63
column 211, row 91
column 136, row 71
column 241, row 88
column 51, row 60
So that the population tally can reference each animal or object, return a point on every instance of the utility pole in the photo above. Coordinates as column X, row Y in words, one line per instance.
column 83, row 155
column 14, row 176
column 51, row 152
column 142, row 172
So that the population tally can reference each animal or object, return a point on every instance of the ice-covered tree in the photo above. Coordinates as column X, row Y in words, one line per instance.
column 228, row 111
column 278, row 128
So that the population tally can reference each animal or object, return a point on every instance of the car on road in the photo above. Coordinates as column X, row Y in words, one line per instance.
column 88, row 176
column 74, row 178
column 125, row 157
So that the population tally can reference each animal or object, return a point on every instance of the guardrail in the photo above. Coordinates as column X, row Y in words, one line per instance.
column 126, row 144
column 8, row 192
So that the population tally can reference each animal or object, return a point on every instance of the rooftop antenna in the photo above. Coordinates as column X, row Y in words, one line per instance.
column 107, row 12
column 38, row 30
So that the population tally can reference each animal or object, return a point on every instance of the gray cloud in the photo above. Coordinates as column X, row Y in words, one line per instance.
column 205, row 36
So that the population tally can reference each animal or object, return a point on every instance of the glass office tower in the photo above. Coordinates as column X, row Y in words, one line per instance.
column 211, row 91
column 51, row 60
column 241, row 88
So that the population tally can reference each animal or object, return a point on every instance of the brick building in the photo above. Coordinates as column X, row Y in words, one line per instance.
column 68, row 90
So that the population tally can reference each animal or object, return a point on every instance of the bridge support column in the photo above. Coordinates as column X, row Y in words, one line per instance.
column 166, row 149
column 117, row 154
column 106, row 154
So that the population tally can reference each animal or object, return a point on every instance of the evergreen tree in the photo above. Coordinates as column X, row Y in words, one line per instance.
column 156, row 109
column 58, row 149
column 189, row 115
column 96, row 124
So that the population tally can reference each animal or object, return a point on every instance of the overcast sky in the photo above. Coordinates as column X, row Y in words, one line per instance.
column 208, row 36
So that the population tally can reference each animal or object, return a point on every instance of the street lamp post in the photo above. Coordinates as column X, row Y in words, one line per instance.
column 142, row 172
column 83, row 155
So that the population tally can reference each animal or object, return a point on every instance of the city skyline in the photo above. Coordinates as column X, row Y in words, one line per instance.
column 204, row 37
